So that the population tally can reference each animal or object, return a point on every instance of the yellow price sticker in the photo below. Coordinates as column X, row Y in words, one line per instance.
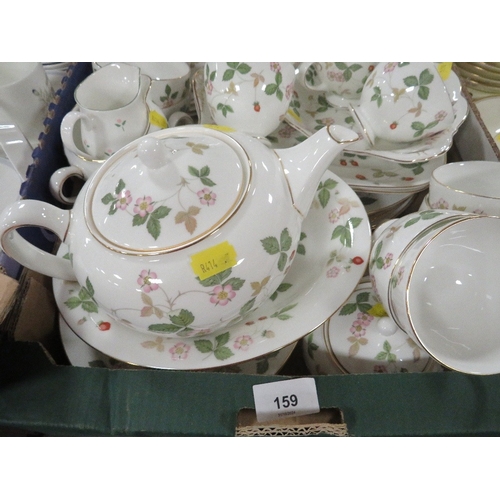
column 157, row 119
column 213, row 260
column 444, row 70
column 377, row 310
column 294, row 115
column 222, row 128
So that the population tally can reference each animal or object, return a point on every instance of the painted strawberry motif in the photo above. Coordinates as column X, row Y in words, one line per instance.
column 104, row 325
column 357, row 260
column 256, row 106
column 393, row 125
column 361, row 177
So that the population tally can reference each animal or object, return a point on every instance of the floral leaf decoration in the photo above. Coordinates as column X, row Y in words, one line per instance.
column 218, row 347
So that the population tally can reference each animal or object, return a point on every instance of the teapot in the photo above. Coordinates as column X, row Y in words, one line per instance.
column 183, row 231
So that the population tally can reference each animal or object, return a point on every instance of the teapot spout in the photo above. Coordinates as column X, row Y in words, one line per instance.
column 305, row 164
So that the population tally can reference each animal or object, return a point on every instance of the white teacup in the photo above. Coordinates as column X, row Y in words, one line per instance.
column 251, row 97
column 25, row 95
column 390, row 240
column 170, row 83
column 403, row 103
column 342, row 81
column 469, row 186
column 445, row 294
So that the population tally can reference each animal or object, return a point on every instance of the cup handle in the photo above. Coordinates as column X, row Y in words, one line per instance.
column 67, row 125
column 179, row 118
column 58, row 180
column 35, row 213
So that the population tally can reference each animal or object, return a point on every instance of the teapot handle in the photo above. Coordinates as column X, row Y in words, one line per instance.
column 35, row 213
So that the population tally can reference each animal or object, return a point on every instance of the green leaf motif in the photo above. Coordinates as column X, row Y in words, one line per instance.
column 324, row 197
column 411, row 81
column 184, row 318
column 426, row 77
column 283, row 258
column 271, row 245
column 90, row 306
column 285, row 240
column 224, row 109
column 281, row 314
column 108, row 198
column 246, row 308
column 220, row 351
column 271, row 89
column 180, row 322
column 137, row 220
column 160, row 212
column 73, row 302
column 154, row 227
column 120, row 186
column 311, row 346
column 236, row 283
column 216, row 279
column 242, row 68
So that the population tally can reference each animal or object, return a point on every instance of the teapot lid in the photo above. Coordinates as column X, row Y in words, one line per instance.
column 167, row 190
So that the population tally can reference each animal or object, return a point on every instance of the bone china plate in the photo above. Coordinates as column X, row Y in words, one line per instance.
column 81, row 354
column 330, row 261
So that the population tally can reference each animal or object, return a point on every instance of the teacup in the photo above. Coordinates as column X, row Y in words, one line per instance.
column 342, row 81
column 113, row 110
column 403, row 103
column 392, row 237
column 25, row 95
column 251, row 97
column 444, row 294
column 469, row 186
column 170, row 83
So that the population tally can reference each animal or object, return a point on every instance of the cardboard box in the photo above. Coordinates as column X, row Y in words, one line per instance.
column 40, row 394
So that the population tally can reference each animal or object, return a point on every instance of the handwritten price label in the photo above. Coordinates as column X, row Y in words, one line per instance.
column 284, row 399
column 213, row 260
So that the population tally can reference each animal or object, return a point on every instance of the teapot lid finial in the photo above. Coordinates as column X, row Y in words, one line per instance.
column 167, row 190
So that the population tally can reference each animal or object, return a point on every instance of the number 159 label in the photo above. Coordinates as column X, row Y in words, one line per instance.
column 286, row 398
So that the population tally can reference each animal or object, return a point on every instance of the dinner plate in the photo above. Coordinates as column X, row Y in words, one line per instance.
column 331, row 259
column 81, row 354
column 489, row 110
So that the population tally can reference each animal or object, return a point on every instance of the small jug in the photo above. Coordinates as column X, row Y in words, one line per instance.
column 113, row 109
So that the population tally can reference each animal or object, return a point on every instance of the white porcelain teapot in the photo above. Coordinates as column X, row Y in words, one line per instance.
column 184, row 230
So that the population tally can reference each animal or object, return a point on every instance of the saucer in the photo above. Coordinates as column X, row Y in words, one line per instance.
column 81, row 354
column 331, row 259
